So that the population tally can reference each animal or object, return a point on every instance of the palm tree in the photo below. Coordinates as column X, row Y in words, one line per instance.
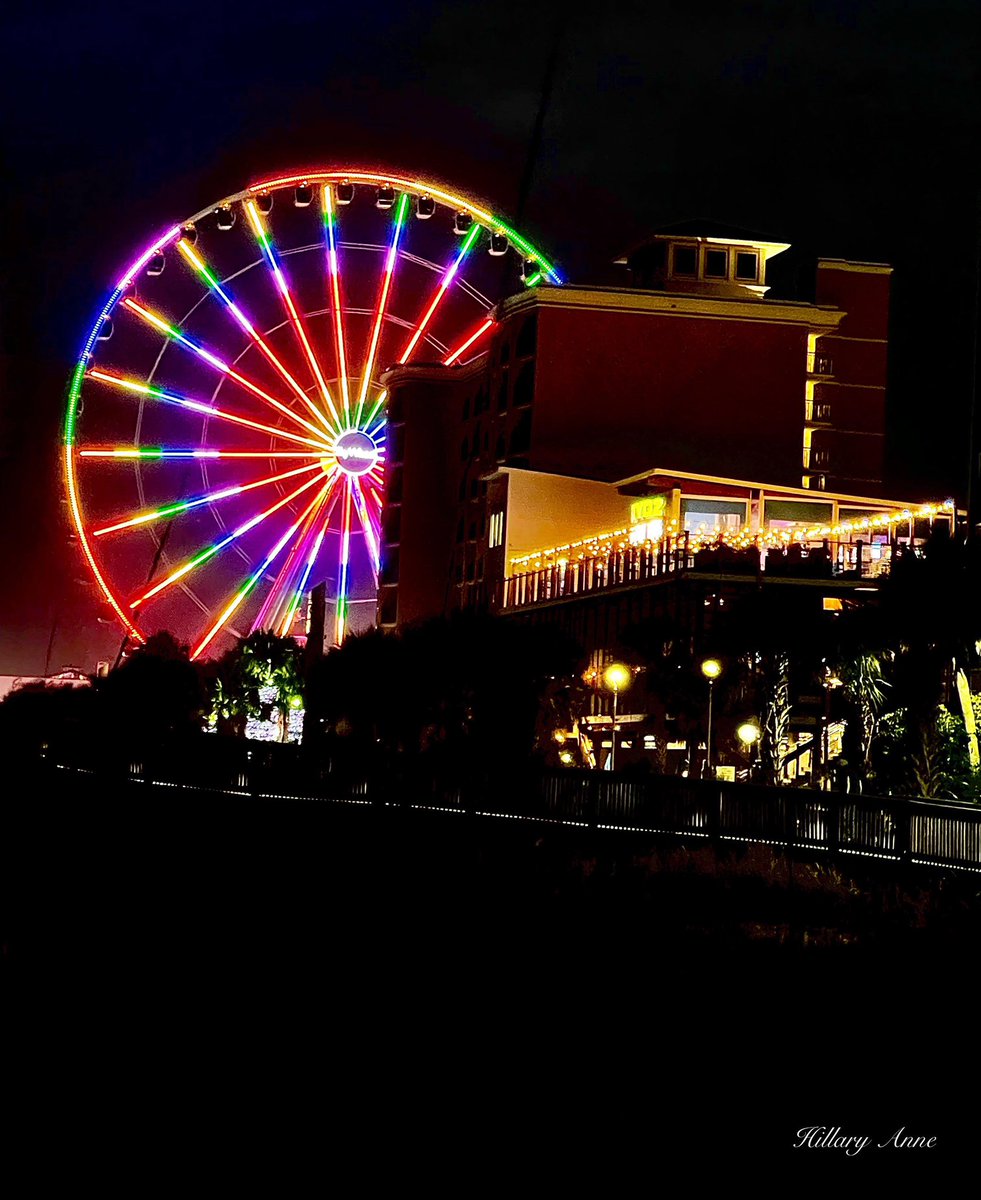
column 260, row 662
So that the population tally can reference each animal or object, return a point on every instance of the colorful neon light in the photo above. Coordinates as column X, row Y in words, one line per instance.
column 308, row 422
column 445, row 282
column 207, row 275
column 253, row 579
column 340, row 616
column 334, row 270
column 172, row 510
column 367, row 526
column 390, row 262
column 209, row 552
column 302, row 584
column 212, row 360
column 418, row 187
column 208, row 410
column 275, row 596
column 451, row 359
column 159, row 452
column 269, row 252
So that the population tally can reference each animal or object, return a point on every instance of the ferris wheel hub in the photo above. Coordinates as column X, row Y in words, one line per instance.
column 354, row 452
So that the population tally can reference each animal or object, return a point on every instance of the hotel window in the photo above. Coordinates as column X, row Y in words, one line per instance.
column 713, row 516
column 747, row 266
column 684, row 260
column 524, row 387
column 496, row 530
column 715, row 264
column 390, row 567
column 521, row 434
column 527, row 337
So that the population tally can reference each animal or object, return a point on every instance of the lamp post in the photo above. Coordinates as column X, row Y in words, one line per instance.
column 711, row 669
column 617, row 678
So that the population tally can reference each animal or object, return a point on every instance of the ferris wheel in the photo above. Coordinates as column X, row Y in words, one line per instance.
column 225, row 431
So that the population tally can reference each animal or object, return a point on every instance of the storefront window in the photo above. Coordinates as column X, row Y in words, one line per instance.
column 713, row 516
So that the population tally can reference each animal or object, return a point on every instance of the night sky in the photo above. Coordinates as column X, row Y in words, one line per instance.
column 848, row 129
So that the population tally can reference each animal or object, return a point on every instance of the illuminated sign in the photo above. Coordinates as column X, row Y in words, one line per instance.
column 650, row 508
column 355, row 452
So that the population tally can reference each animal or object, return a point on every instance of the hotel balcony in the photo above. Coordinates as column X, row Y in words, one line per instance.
column 820, row 367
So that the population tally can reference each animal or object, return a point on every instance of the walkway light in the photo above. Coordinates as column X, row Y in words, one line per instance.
column 711, row 669
column 617, row 678
column 748, row 733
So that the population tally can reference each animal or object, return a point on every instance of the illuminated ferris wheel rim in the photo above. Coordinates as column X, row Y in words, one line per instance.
column 349, row 450
column 414, row 187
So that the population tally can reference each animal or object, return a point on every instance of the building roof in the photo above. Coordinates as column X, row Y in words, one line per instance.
column 707, row 230
column 665, row 476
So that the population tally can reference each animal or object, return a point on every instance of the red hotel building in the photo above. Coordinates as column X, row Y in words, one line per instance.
column 697, row 367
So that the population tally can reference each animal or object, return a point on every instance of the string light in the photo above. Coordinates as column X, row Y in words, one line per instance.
column 601, row 545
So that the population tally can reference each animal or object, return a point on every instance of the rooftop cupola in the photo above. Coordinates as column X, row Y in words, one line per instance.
column 705, row 264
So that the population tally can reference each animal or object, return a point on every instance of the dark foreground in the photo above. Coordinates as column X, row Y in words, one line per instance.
column 580, row 1000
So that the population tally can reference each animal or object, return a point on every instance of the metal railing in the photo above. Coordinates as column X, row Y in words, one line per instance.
column 892, row 828
column 634, row 565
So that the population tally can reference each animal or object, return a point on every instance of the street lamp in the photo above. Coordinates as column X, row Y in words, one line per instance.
column 711, row 669
column 749, row 734
column 617, row 678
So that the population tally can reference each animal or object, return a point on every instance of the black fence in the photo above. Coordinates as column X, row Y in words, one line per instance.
column 891, row 828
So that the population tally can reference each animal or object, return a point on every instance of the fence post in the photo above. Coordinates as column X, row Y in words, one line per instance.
column 834, row 813
column 789, row 802
column 901, row 819
column 714, row 813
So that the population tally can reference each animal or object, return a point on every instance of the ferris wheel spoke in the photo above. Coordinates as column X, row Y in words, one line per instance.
column 367, row 527
column 444, row 283
column 254, row 578
column 340, row 614
column 300, row 590
column 211, row 281
column 282, row 285
column 219, row 364
column 465, row 345
column 375, row 498
column 373, row 413
column 383, row 294
column 155, row 452
column 209, row 552
column 280, row 592
column 208, row 410
column 334, row 271
column 182, row 506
